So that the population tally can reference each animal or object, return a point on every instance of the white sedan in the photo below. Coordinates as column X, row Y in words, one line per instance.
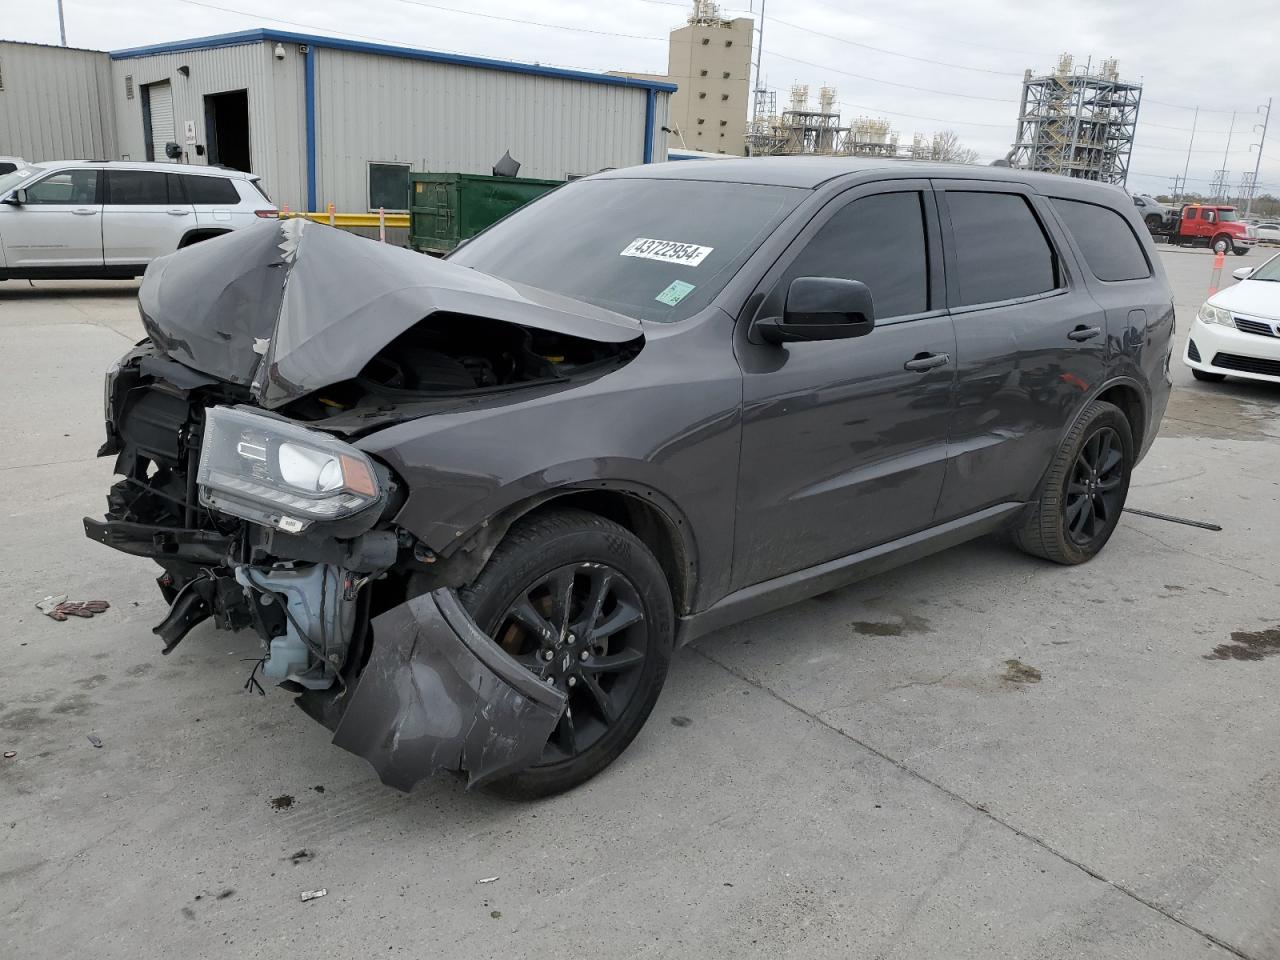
column 1237, row 330
column 1268, row 231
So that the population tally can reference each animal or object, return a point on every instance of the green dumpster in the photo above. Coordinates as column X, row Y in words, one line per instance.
column 447, row 208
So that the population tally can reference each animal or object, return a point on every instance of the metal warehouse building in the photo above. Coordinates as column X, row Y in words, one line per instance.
column 335, row 121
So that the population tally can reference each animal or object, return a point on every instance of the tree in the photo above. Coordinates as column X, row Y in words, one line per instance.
column 948, row 149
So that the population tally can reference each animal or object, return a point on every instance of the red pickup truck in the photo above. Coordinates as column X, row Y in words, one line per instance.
column 1209, row 225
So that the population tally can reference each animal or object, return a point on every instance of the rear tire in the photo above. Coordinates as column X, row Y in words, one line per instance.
column 1208, row 377
column 1241, row 251
column 610, row 578
column 1084, row 491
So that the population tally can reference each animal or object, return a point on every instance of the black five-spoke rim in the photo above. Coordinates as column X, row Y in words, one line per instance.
column 580, row 627
column 1094, row 494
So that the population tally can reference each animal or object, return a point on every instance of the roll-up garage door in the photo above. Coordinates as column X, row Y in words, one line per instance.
column 160, row 98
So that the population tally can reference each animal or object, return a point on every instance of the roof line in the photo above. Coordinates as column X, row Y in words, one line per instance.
column 262, row 35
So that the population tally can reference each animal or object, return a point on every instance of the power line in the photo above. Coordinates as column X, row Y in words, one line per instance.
column 527, row 23
column 890, row 83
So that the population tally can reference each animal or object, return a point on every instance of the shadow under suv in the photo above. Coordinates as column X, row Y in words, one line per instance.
column 470, row 506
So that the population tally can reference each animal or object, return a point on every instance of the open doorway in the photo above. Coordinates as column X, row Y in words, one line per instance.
column 226, row 127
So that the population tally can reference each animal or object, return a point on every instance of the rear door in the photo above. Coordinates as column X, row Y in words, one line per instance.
column 217, row 202
column 59, row 225
column 1030, row 341
column 145, row 216
column 844, row 442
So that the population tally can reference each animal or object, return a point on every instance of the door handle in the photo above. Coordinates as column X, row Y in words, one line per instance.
column 178, row 213
column 1080, row 334
column 926, row 361
column 84, row 211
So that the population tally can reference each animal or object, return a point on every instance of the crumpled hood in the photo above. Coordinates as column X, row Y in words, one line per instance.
column 287, row 306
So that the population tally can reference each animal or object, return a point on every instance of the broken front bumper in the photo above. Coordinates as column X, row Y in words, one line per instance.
column 437, row 694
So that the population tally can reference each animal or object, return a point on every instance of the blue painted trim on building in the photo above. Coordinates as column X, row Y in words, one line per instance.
column 309, row 91
column 649, row 107
column 408, row 53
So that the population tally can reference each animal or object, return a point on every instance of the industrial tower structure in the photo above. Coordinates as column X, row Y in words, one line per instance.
column 804, row 129
column 1077, row 123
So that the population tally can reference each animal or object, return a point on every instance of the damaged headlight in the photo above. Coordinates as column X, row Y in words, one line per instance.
column 280, row 474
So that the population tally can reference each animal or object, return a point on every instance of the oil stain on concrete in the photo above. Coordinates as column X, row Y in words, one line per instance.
column 1248, row 645
column 1015, row 671
column 899, row 626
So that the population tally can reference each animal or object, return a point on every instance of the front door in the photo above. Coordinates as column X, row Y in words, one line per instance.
column 844, row 442
column 59, row 225
column 145, row 216
column 1030, row 341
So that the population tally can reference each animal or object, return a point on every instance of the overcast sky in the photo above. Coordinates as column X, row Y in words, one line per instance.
column 1182, row 53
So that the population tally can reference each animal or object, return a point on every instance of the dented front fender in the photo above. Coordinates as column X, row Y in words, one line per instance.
column 437, row 694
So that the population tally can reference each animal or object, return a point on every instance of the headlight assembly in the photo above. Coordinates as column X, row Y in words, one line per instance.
column 1211, row 314
column 280, row 474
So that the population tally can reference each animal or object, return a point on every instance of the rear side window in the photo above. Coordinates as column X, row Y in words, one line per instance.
column 1108, row 242
column 7, row 167
column 136, row 187
column 880, row 241
column 1191, row 214
column 1001, row 250
column 210, row 189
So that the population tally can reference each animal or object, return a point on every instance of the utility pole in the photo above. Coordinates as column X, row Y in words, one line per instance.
column 1176, row 192
column 1187, row 167
column 62, row 25
column 1222, row 176
column 1266, row 122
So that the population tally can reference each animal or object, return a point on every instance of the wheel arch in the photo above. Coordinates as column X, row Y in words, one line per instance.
column 645, row 512
column 196, row 234
column 1126, row 395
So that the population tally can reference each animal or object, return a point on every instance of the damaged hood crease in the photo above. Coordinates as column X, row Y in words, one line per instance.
column 287, row 307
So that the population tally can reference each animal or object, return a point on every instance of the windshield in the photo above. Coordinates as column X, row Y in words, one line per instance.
column 1226, row 216
column 1268, row 271
column 652, row 249
column 17, row 178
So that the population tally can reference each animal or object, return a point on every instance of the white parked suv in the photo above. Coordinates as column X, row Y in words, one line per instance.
column 95, row 219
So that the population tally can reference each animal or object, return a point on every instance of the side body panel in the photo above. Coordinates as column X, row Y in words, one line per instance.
column 1021, row 379
column 664, row 428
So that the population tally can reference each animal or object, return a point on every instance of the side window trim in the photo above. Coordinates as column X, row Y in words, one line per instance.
column 1062, row 263
column 935, row 281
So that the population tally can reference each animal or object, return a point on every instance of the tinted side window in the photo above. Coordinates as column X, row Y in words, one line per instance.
column 7, row 167
column 1189, row 215
column 1108, row 243
column 70, row 186
column 880, row 241
column 1001, row 250
column 136, row 187
column 210, row 189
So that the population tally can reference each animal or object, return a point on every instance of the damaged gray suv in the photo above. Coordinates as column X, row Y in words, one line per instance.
column 471, row 506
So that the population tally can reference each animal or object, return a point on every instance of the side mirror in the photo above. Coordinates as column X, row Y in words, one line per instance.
column 820, row 308
column 1243, row 273
column 17, row 198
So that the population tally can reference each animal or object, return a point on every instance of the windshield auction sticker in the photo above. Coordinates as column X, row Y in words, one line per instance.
column 668, row 251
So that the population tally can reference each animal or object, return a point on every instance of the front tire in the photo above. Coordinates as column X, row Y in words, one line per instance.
column 1208, row 377
column 581, row 602
column 1084, row 491
column 1221, row 244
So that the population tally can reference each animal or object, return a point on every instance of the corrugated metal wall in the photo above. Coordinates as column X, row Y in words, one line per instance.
column 276, row 106
column 450, row 118
column 54, row 103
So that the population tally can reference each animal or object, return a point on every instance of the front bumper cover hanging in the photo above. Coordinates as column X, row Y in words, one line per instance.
column 437, row 694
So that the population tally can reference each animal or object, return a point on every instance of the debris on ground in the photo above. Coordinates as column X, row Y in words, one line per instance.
column 496, row 914
column 58, row 607
column 314, row 894
column 318, row 788
column 10, row 754
column 282, row 802
column 680, row 721
column 95, row 740
column 302, row 856
column 486, row 880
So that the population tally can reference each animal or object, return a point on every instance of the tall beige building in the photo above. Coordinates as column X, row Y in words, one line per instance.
column 709, row 61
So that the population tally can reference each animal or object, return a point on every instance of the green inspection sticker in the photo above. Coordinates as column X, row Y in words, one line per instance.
column 675, row 293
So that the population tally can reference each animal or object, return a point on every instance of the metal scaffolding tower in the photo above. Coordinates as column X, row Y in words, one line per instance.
column 1077, row 123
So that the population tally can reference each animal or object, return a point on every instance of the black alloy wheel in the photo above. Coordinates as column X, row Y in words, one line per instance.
column 582, row 628
column 1096, row 488
column 583, row 604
